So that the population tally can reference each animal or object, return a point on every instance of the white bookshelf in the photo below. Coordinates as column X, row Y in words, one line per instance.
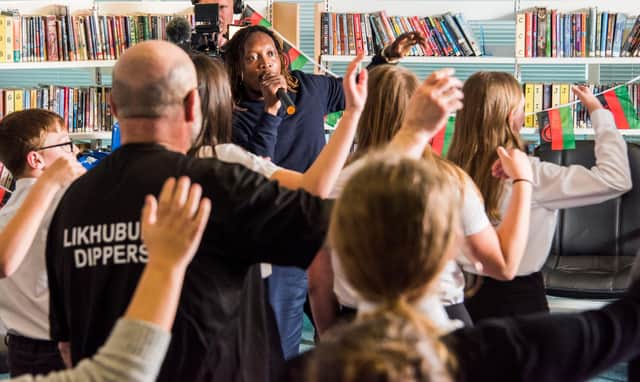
column 578, row 60
column 85, row 7
column 328, row 59
column 586, row 132
column 91, row 136
column 54, row 65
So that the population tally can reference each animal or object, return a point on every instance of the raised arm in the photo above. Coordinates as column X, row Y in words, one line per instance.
column 500, row 250
column 429, row 108
column 322, row 175
column 171, row 230
column 18, row 234
column 574, row 186
column 557, row 347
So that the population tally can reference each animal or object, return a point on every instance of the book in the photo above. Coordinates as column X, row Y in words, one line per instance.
column 542, row 32
column 528, row 106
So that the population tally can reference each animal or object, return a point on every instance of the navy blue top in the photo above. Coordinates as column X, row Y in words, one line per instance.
column 291, row 141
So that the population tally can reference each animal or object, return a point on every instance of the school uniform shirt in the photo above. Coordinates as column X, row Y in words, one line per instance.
column 24, row 296
column 291, row 141
column 556, row 187
column 451, row 285
column 224, row 329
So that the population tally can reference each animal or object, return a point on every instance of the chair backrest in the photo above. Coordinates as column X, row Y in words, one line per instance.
column 594, row 246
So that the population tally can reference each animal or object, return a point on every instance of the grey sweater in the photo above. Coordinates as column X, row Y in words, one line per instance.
column 134, row 352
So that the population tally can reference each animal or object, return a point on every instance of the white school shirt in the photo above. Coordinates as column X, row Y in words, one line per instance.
column 230, row 153
column 451, row 285
column 556, row 187
column 24, row 296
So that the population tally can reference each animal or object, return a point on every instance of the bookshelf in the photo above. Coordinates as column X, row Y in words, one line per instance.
column 94, row 73
column 500, row 53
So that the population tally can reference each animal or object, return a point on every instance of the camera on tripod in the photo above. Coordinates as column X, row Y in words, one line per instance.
column 205, row 36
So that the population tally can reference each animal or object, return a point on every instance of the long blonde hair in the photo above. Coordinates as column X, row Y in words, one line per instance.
column 482, row 125
column 393, row 229
column 389, row 90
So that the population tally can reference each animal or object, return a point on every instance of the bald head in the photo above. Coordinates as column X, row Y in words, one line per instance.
column 151, row 79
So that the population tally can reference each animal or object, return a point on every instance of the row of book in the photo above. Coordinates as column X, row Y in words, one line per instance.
column 540, row 97
column 355, row 33
column 62, row 37
column 6, row 184
column 83, row 109
column 543, row 32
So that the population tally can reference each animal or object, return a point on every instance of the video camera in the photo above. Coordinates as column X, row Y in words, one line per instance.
column 205, row 36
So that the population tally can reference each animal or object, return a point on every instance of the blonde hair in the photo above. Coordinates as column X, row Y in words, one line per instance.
column 390, row 88
column 392, row 229
column 482, row 125
column 383, row 347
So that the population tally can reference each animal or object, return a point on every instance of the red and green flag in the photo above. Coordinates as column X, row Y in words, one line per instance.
column 556, row 126
column 252, row 17
column 331, row 120
column 441, row 141
column 618, row 101
column 296, row 58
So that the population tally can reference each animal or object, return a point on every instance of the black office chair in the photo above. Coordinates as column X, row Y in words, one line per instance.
column 594, row 246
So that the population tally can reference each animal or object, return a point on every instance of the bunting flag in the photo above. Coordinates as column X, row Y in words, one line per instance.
column 618, row 101
column 251, row 17
column 441, row 141
column 296, row 58
column 556, row 126
column 331, row 120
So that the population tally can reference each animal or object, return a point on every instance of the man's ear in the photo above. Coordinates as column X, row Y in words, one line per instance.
column 34, row 161
column 114, row 110
column 191, row 105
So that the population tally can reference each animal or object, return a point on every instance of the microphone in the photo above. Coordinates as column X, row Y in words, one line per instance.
column 289, row 107
column 284, row 98
column 179, row 32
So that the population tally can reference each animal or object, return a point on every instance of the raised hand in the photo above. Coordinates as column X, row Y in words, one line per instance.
column 269, row 85
column 355, row 86
column 401, row 45
column 172, row 228
column 437, row 97
column 62, row 172
column 587, row 98
column 512, row 163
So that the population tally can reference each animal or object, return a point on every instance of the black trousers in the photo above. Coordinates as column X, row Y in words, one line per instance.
column 522, row 295
column 31, row 356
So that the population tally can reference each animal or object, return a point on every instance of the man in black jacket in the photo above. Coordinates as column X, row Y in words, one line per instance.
column 95, row 254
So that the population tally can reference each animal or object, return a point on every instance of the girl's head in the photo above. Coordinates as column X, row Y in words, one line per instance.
column 389, row 90
column 393, row 228
column 492, row 115
column 252, row 52
column 384, row 347
column 216, row 103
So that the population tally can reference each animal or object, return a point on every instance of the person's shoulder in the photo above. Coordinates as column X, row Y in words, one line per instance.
column 310, row 78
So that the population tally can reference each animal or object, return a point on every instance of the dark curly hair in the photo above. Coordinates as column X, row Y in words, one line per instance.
column 234, row 58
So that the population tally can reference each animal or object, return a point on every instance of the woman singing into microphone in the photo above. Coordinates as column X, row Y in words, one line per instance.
column 258, row 67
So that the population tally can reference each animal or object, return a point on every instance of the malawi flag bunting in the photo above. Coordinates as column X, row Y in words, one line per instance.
column 251, row 17
column 331, row 119
column 441, row 141
column 296, row 58
column 619, row 103
column 556, row 126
